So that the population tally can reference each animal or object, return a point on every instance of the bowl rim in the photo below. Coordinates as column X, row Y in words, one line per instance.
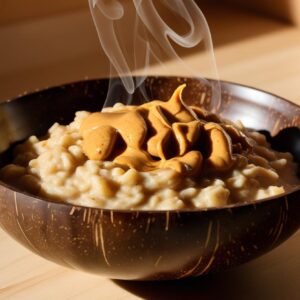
column 142, row 211
column 73, row 83
column 148, row 211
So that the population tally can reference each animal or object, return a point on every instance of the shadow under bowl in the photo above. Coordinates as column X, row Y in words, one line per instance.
column 144, row 245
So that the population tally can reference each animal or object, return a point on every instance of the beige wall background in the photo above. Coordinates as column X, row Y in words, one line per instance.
column 49, row 42
column 17, row 10
column 287, row 10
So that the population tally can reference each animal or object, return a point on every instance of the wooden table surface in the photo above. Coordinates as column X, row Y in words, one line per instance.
column 250, row 50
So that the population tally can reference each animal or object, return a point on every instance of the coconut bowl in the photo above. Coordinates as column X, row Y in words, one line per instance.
column 145, row 245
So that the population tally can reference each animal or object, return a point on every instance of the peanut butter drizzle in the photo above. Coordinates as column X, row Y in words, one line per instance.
column 162, row 134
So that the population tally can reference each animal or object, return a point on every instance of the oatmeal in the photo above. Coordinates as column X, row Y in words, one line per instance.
column 159, row 155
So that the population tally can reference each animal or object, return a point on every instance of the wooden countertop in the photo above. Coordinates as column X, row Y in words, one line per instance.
column 250, row 50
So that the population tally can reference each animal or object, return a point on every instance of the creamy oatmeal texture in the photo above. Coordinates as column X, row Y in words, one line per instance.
column 161, row 155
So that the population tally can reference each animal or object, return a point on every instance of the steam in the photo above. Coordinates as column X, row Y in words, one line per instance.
column 152, row 41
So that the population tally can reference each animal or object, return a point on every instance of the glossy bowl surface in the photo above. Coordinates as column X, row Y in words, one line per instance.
column 144, row 245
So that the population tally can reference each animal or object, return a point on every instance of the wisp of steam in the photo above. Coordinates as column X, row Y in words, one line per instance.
column 135, row 35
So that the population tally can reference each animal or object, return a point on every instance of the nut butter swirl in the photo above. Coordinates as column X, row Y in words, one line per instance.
column 162, row 134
